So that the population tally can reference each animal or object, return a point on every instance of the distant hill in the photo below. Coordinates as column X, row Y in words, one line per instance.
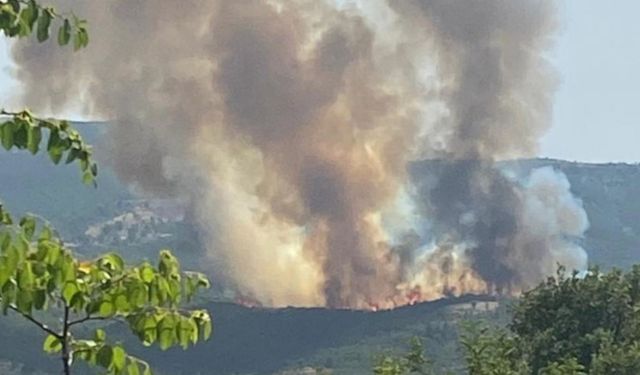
column 30, row 184
column 264, row 341
column 611, row 196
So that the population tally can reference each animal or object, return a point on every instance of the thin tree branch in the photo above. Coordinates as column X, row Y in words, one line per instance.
column 42, row 326
column 8, row 113
column 86, row 319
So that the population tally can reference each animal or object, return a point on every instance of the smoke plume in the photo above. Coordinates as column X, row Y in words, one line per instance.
column 286, row 127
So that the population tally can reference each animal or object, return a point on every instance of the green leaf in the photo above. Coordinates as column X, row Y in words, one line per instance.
column 39, row 299
column 184, row 332
column 55, row 147
column 20, row 136
column 100, row 335
column 69, row 291
column 77, row 302
column 53, row 252
column 5, row 272
column 111, row 262
column 137, row 296
column 203, row 320
column 104, row 357
column 22, row 247
column 45, row 234
column 6, row 133
column 52, row 345
column 34, row 136
column 64, row 33
column 84, row 162
column 28, row 225
column 106, row 309
column 28, row 17
column 121, row 303
column 12, row 258
column 5, row 241
column 201, row 280
column 8, row 296
column 166, row 332
column 73, row 155
column 43, row 25
column 194, row 331
column 5, row 217
column 168, row 263
column 80, row 38
column 207, row 328
column 147, row 274
column 26, row 279
column 24, row 301
column 148, row 327
column 119, row 359
column 133, row 369
column 164, row 289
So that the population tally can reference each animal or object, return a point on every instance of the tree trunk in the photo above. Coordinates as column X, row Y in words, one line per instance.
column 66, row 357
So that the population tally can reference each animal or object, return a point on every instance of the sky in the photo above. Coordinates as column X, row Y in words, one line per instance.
column 597, row 104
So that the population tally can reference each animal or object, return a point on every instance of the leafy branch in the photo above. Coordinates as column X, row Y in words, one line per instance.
column 23, row 130
column 38, row 273
column 20, row 18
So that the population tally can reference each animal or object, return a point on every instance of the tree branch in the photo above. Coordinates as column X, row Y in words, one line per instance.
column 86, row 319
column 66, row 358
column 42, row 326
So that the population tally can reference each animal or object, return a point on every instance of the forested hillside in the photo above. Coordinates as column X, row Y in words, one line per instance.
column 265, row 341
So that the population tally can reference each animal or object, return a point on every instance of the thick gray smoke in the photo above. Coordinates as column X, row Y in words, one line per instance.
column 286, row 128
column 498, row 90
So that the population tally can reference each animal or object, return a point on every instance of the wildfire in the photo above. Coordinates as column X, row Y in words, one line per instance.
column 414, row 296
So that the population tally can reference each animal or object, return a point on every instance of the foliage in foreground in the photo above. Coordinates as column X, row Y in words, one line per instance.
column 568, row 325
column 412, row 363
column 593, row 319
column 39, row 273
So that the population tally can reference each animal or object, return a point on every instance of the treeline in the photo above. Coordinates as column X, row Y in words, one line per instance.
column 569, row 325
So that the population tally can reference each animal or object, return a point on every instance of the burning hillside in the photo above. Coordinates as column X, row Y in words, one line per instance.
column 286, row 127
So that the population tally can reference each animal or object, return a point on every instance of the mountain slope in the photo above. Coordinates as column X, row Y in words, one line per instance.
column 263, row 341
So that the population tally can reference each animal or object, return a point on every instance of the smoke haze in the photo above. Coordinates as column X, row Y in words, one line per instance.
column 286, row 128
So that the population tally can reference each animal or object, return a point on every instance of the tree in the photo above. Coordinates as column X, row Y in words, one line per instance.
column 413, row 362
column 41, row 278
column 569, row 324
column 581, row 317
column 490, row 350
column 21, row 18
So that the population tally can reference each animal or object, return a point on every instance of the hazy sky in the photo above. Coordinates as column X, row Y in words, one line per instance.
column 597, row 106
